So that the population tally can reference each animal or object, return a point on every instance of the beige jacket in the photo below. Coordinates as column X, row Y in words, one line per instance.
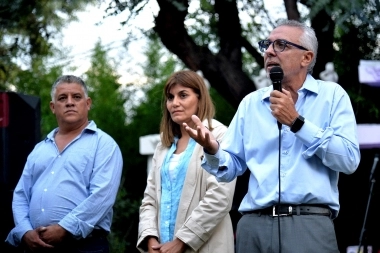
column 203, row 220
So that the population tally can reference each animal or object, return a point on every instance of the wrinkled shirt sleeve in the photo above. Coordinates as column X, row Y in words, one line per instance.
column 20, row 206
column 336, row 144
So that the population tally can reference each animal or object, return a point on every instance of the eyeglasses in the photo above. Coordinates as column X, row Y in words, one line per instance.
column 278, row 45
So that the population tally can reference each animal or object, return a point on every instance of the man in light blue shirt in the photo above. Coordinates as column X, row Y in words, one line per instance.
column 295, row 141
column 64, row 198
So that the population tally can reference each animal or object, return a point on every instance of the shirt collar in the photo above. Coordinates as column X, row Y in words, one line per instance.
column 310, row 84
column 91, row 126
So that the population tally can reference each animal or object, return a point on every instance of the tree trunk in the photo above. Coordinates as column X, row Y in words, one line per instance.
column 224, row 69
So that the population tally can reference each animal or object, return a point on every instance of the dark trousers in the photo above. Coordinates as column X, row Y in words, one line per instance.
column 93, row 244
column 258, row 233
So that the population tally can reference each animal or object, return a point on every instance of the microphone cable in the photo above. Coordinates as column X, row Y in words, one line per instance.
column 276, row 74
column 279, row 186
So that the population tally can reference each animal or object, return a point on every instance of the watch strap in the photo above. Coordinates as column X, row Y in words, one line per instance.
column 297, row 124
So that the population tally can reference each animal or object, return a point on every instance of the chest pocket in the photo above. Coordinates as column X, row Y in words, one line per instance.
column 80, row 161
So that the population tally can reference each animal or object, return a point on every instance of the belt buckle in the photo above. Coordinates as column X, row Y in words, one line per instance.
column 290, row 209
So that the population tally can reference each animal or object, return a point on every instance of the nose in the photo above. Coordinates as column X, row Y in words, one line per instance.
column 70, row 101
column 175, row 101
column 270, row 50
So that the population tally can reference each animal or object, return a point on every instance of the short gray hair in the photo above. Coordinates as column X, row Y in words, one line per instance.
column 68, row 79
column 308, row 39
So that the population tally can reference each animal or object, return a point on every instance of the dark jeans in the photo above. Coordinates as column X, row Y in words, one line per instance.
column 93, row 244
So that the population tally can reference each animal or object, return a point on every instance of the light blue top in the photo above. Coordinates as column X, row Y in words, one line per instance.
column 311, row 159
column 75, row 188
column 171, row 189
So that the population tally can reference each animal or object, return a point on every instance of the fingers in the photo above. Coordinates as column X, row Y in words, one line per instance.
column 275, row 93
column 46, row 245
column 193, row 133
column 33, row 241
column 40, row 229
column 156, row 247
column 196, row 120
column 282, row 107
column 53, row 234
column 202, row 135
column 196, row 134
column 153, row 245
column 287, row 93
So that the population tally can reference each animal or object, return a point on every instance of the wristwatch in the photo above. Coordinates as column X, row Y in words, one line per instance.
column 297, row 124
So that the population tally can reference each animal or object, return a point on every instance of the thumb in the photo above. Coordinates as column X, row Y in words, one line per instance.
column 196, row 120
column 41, row 229
column 156, row 247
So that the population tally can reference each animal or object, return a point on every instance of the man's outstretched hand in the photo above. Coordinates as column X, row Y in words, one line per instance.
column 202, row 136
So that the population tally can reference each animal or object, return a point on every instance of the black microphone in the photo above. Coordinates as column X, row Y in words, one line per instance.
column 276, row 75
column 375, row 160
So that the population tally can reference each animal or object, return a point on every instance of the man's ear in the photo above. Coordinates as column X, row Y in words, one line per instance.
column 307, row 58
column 52, row 107
column 89, row 102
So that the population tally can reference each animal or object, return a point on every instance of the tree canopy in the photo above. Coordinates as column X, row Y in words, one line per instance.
column 215, row 38
column 27, row 29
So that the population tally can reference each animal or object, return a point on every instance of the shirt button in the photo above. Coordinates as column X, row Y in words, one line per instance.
column 168, row 207
column 43, row 210
column 45, row 190
column 52, row 172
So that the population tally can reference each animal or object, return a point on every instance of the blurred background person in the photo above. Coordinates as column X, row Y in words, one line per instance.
column 329, row 73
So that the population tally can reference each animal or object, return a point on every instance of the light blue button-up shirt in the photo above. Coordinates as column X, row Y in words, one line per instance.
column 310, row 159
column 75, row 188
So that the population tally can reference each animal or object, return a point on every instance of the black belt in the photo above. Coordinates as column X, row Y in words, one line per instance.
column 97, row 233
column 288, row 210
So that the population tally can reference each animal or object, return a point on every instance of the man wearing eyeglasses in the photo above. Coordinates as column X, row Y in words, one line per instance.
column 294, row 165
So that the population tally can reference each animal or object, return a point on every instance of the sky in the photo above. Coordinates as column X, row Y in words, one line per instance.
column 80, row 37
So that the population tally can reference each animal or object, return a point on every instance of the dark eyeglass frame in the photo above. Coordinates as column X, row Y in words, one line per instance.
column 263, row 46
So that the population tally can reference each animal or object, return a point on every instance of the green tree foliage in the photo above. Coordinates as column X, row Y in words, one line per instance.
column 109, row 114
column 43, row 83
column 105, row 91
column 355, row 31
column 220, row 39
column 145, row 120
column 37, row 81
column 27, row 29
